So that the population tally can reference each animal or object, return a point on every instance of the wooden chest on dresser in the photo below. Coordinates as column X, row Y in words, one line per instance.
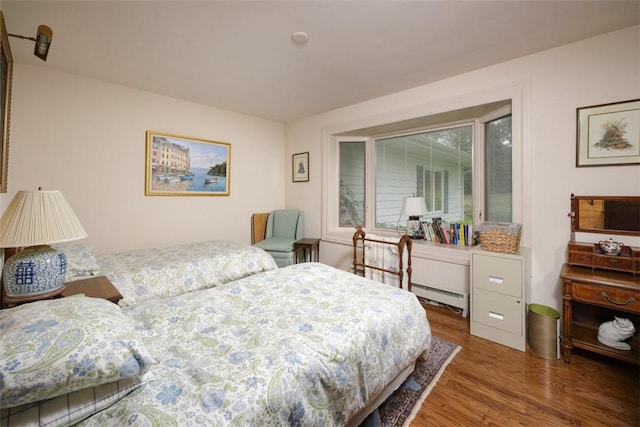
column 591, row 297
column 590, row 255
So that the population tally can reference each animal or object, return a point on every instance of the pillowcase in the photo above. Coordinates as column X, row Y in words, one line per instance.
column 80, row 261
column 58, row 346
column 71, row 408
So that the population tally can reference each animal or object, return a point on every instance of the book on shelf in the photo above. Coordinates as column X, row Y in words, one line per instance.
column 456, row 233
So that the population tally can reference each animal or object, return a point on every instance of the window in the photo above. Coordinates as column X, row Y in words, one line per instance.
column 352, row 182
column 430, row 163
column 436, row 162
column 498, row 191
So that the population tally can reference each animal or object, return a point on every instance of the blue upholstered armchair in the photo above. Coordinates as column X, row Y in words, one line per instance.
column 284, row 227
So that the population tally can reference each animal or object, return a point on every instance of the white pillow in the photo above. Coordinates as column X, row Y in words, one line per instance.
column 80, row 261
column 71, row 408
column 58, row 346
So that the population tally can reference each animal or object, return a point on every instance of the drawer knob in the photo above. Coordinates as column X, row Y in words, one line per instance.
column 629, row 301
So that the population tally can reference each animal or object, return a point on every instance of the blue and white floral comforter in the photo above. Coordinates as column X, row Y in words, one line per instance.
column 303, row 345
column 148, row 274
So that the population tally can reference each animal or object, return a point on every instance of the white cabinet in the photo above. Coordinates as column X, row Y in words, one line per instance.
column 441, row 274
column 498, row 289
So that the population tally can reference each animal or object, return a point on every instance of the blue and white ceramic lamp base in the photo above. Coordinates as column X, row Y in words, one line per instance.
column 34, row 271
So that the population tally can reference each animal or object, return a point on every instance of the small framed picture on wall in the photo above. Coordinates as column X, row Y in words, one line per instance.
column 300, row 171
column 609, row 134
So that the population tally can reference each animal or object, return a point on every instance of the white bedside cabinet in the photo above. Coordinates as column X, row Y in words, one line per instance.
column 498, row 308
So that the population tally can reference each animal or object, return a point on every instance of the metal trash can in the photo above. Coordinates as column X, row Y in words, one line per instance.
column 542, row 330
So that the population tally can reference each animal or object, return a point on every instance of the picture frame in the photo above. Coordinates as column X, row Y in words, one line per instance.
column 300, row 167
column 608, row 134
column 6, row 75
column 179, row 165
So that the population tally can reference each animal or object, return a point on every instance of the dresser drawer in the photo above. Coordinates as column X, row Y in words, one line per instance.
column 614, row 262
column 607, row 296
column 499, row 311
column 581, row 258
column 497, row 274
column 581, row 247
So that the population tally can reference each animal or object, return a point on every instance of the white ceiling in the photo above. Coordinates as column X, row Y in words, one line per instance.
column 238, row 55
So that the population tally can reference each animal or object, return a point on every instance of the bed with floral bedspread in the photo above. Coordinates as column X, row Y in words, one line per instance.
column 146, row 274
column 303, row 345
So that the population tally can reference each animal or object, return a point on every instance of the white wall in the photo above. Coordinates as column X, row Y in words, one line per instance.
column 594, row 71
column 87, row 139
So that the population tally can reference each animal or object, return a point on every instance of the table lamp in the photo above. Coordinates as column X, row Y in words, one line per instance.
column 33, row 220
column 414, row 207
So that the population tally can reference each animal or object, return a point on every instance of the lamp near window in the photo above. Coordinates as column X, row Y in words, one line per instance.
column 414, row 207
column 33, row 220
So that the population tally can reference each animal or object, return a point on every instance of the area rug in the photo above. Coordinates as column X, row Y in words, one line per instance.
column 403, row 405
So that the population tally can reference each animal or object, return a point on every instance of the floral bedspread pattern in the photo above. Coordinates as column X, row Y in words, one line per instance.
column 142, row 275
column 303, row 345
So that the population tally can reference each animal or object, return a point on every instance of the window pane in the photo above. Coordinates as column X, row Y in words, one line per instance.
column 498, row 205
column 352, row 183
column 433, row 164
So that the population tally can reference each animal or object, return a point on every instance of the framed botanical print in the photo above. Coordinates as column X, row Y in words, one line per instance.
column 608, row 134
column 300, row 166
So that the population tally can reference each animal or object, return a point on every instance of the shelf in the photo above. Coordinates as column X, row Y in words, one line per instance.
column 585, row 336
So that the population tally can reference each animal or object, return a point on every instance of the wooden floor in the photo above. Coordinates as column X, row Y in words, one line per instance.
column 490, row 384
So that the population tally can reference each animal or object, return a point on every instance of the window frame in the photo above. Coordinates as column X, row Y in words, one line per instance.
column 518, row 95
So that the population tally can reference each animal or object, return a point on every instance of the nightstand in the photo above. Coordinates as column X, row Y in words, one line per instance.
column 310, row 249
column 94, row 287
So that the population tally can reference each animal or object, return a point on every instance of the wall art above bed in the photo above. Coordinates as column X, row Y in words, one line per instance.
column 182, row 166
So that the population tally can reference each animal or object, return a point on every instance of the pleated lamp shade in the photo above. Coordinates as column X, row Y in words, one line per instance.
column 414, row 206
column 32, row 219
column 39, row 218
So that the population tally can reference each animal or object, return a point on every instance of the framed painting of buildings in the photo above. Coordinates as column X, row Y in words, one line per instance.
column 609, row 134
column 183, row 166
column 6, row 72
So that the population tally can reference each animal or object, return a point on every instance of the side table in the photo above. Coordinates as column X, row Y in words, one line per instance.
column 94, row 287
column 310, row 246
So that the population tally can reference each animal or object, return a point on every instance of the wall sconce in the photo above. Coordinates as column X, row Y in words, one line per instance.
column 414, row 207
column 43, row 41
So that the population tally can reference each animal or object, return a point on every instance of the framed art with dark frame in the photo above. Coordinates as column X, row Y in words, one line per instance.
column 608, row 134
column 300, row 167
column 6, row 73
column 182, row 166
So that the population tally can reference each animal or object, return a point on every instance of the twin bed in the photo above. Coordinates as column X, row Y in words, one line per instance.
column 209, row 333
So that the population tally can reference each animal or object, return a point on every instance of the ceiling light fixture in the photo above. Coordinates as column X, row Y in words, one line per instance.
column 299, row 37
column 43, row 41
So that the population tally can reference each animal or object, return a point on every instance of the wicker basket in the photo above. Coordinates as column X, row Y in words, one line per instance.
column 500, row 237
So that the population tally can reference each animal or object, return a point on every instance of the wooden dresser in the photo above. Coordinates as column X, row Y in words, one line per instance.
column 591, row 297
column 596, row 286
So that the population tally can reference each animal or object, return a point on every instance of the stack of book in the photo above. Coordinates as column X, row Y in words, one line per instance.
column 438, row 230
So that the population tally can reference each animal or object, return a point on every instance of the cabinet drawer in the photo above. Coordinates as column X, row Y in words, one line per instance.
column 614, row 262
column 496, row 274
column 607, row 296
column 582, row 258
column 498, row 311
column 581, row 247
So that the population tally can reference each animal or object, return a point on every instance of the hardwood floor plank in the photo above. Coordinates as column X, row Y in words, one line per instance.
column 488, row 384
